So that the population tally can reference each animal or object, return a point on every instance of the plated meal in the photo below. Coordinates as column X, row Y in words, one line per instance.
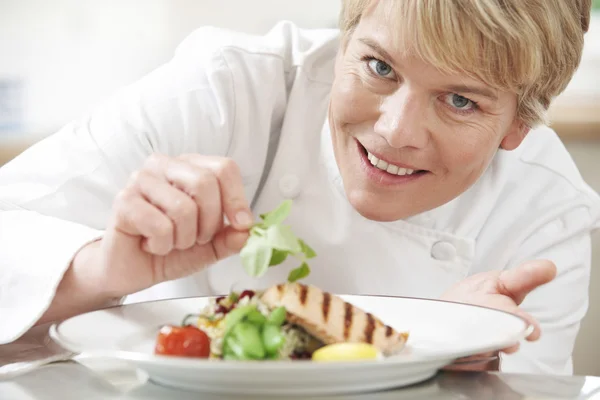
column 290, row 321
column 281, row 340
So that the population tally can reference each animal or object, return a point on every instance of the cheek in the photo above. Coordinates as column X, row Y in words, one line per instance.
column 468, row 150
column 351, row 102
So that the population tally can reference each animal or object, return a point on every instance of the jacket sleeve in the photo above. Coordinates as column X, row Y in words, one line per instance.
column 57, row 195
column 560, row 305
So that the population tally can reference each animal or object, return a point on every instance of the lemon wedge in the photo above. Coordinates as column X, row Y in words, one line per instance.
column 346, row 352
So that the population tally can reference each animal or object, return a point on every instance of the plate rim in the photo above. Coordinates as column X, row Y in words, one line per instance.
column 427, row 299
column 193, row 363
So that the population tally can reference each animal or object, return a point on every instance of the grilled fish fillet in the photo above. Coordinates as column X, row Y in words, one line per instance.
column 331, row 319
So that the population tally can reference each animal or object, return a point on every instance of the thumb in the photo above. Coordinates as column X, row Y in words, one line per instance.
column 228, row 242
column 519, row 282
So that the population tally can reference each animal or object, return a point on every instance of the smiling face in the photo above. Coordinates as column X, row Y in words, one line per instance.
column 408, row 137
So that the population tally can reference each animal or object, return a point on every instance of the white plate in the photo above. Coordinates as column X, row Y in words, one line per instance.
column 440, row 332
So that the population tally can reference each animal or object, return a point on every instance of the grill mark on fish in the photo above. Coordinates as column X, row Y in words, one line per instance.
column 388, row 331
column 341, row 327
column 303, row 294
column 369, row 328
column 325, row 306
column 348, row 316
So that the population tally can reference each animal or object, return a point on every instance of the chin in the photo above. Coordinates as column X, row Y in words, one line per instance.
column 367, row 205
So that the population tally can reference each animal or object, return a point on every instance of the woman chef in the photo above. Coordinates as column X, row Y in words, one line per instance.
column 412, row 142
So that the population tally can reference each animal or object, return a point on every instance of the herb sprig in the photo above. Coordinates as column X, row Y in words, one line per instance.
column 271, row 243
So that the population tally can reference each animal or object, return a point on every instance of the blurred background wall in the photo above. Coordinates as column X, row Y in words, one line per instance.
column 60, row 57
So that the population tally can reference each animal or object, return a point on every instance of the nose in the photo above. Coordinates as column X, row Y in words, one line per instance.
column 401, row 119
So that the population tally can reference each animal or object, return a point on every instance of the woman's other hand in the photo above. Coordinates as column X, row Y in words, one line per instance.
column 502, row 290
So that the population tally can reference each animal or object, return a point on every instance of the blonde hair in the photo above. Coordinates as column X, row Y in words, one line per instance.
column 530, row 47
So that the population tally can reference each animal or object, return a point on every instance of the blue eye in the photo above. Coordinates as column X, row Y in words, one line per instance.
column 459, row 102
column 380, row 68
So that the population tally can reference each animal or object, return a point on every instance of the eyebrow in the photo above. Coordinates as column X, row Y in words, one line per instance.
column 377, row 47
column 481, row 91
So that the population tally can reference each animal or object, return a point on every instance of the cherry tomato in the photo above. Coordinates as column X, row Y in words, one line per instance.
column 183, row 341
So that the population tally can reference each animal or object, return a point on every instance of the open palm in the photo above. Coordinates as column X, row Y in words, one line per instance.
column 504, row 290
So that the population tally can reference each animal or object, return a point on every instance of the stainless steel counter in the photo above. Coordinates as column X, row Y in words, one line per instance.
column 73, row 380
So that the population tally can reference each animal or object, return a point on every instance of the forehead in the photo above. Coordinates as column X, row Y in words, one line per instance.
column 380, row 38
column 443, row 36
column 395, row 29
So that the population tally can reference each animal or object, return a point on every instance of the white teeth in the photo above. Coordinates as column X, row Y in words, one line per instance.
column 390, row 168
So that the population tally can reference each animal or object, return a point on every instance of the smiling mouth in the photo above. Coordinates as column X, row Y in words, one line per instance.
column 388, row 167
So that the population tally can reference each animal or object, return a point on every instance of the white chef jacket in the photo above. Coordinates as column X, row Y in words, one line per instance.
column 262, row 100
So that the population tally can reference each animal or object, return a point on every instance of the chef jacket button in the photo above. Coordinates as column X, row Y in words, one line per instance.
column 289, row 186
column 443, row 251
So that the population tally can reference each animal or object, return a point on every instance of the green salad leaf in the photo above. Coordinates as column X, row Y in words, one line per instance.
column 256, row 255
column 308, row 252
column 278, row 215
column 277, row 257
column 282, row 238
column 298, row 273
column 271, row 243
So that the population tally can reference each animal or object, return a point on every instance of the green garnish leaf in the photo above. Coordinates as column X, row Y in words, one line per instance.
column 281, row 237
column 298, row 273
column 278, row 215
column 271, row 243
column 306, row 249
column 256, row 255
column 277, row 257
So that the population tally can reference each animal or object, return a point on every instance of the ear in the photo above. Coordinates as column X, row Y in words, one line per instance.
column 515, row 135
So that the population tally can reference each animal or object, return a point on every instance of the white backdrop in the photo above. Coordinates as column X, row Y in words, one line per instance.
column 71, row 53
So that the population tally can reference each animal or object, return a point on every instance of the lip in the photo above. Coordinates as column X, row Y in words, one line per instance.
column 381, row 177
column 380, row 157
